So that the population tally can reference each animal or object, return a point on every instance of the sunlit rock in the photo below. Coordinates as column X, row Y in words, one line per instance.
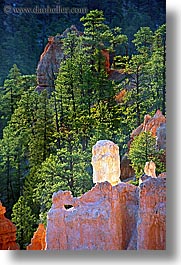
column 150, row 168
column 106, row 162
column 38, row 240
column 7, row 232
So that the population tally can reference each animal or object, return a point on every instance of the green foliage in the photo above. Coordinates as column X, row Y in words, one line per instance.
column 142, row 150
column 23, row 34
column 25, row 222
column 144, row 77
column 14, row 86
column 96, row 33
column 69, row 169
column 46, row 139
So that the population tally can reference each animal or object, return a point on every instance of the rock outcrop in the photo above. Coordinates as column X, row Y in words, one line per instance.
column 106, row 162
column 161, row 136
column 121, row 217
column 50, row 60
column 152, row 214
column 7, row 232
column 38, row 240
column 152, row 124
column 112, row 215
column 157, row 126
column 104, row 218
column 150, row 169
column 105, row 53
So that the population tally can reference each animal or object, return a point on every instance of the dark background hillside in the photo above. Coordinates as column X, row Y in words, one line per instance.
column 24, row 36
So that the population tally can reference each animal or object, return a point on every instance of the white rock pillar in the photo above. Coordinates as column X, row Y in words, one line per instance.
column 106, row 162
column 150, row 168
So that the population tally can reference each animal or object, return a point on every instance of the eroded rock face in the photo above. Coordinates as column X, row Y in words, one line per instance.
column 7, row 232
column 104, row 218
column 38, row 240
column 106, row 162
column 121, row 217
column 152, row 124
column 105, row 53
column 50, row 60
column 152, row 214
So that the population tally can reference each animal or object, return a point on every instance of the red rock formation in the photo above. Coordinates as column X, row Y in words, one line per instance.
column 152, row 214
column 38, row 240
column 150, row 124
column 109, row 217
column 50, row 60
column 7, row 232
column 49, row 63
column 104, row 218
column 120, row 96
column 121, row 217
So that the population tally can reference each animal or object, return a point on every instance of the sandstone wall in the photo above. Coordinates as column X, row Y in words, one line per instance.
column 152, row 214
column 120, row 217
column 97, row 220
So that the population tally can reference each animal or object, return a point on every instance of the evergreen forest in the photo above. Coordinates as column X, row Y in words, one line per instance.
column 46, row 137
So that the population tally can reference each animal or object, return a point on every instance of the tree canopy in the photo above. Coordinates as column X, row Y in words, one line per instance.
column 46, row 139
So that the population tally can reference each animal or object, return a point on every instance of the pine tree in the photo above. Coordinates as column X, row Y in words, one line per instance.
column 69, row 169
column 14, row 87
column 158, row 66
column 118, row 40
column 145, row 80
column 25, row 222
column 142, row 150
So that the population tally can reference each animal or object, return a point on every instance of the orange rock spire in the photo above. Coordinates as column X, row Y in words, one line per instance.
column 7, row 232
